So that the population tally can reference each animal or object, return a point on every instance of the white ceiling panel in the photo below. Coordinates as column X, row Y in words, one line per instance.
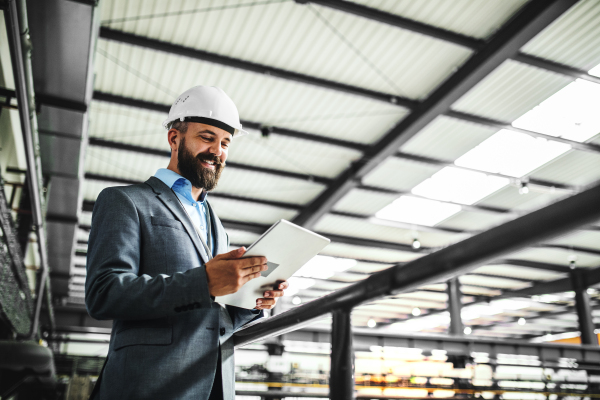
column 519, row 272
column 479, row 19
column 573, row 168
column 244, row 211
column 369, row 268
column 556, row 256
column 368, row 253
column 509, row 197
column 123, row 164
column 492, row 282
column 91, row 189
column 573, row 39
column 589, row 239
column 474, row 221
column 510, row 91
column 311, row 39
column 364, row 202
column 259, row 98
column 447, row 138
column 360, row 228
column 398, row 174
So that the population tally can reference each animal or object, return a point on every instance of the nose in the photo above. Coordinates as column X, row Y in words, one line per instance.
column 215, row 148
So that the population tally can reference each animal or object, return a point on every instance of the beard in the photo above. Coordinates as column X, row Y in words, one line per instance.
column 190, row 168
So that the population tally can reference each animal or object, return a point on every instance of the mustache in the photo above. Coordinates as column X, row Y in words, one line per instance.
column 210, row 157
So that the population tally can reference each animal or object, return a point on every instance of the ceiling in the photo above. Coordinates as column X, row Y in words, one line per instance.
column 350, row 114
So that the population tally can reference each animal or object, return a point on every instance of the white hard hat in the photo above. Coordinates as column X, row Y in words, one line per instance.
column 209, row 105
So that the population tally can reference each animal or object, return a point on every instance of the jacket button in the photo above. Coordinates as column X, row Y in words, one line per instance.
column 222, row 331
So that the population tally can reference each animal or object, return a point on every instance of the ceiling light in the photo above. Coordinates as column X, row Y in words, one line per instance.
column 524, row 189
column 521, row 321
column 414, row 210
column 416, row 311
column 371, row 323
column 512, row 153
column 296, row 300
column 459, row 185
column 416, row 244
column 468, row 330
column 571, row 113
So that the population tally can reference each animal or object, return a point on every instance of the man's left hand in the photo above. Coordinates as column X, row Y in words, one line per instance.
column 270, row 299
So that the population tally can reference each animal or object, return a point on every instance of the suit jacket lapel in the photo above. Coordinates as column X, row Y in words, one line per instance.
column 170, row 200
column 218, row 232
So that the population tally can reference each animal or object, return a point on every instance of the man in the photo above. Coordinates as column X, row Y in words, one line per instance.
column 150, row 267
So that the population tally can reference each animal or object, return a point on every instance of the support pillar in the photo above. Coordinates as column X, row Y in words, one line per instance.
column 341, row 378
column 583, row 307
column 455, row 307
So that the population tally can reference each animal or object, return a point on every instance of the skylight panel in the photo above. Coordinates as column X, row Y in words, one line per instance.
column 459, row 186
column 418, row 211
column 297, row 284
column 512, row 153
column 571, row 113
column 595, row 71
column 323, row 267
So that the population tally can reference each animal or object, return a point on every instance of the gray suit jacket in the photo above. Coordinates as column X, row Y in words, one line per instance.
column 145, row 271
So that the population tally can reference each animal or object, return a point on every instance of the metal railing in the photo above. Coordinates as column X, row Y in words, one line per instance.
column 457, row 259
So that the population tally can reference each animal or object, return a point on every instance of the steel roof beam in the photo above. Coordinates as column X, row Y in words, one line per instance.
column 588, row 147
column 146, row 105
column 447, row 36
column 400, row 22
column 189, row 52
column 166, row 153
column 532, row 19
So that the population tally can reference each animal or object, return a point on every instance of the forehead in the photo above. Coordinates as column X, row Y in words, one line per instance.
column 196, row 127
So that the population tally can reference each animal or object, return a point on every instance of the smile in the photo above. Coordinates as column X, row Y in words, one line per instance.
column 208, row 164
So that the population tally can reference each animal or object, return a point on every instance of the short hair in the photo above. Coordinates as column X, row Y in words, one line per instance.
column 181, row 126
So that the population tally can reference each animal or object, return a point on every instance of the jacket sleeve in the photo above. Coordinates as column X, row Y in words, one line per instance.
column 114, row 289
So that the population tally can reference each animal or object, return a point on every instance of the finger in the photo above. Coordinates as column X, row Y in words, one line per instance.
column 265, row 303
column 250, row 262
column 282, row 285
column 273, row 293
column 253, row 270
column 249, row 277
column 233, row 254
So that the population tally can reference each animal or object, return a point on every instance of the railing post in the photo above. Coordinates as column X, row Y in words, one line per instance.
column 341, row 378
column 584, row 308
column 456, row 326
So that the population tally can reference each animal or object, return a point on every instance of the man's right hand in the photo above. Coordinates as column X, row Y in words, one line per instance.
column 227, row 272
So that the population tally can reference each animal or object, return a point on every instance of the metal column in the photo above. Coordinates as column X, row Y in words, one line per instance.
column 584, row 310
column 341, row 381
column 455, row 307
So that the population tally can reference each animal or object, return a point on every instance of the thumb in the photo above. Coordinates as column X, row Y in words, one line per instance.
column 237, row 253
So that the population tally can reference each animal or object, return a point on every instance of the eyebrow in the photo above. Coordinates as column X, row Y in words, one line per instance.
column 214, row 134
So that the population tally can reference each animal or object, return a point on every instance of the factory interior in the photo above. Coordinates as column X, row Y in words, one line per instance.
column 449, row 149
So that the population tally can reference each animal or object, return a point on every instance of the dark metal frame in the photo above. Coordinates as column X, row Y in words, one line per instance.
column 24, row 93
column 442, row 265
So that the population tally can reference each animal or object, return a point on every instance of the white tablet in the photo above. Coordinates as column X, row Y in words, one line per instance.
column 287, row 247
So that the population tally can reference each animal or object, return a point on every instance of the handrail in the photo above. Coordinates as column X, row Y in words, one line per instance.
column 442, row 265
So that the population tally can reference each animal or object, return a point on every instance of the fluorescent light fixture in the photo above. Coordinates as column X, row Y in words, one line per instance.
column 571, row 113
column 323, row 267
column 296, row 284
column 459, row 185
column 479, row 310
column 512, row 153
column 414, row 210
column 424, row 323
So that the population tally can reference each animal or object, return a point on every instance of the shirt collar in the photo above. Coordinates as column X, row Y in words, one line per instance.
column 169, row 178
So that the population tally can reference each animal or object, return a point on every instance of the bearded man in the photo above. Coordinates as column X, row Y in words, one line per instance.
column 157, row 258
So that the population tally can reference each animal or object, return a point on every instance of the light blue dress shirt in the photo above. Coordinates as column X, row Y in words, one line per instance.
column 196, row 209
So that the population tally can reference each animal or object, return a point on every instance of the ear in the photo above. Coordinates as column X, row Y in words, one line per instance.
column 173, row 136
